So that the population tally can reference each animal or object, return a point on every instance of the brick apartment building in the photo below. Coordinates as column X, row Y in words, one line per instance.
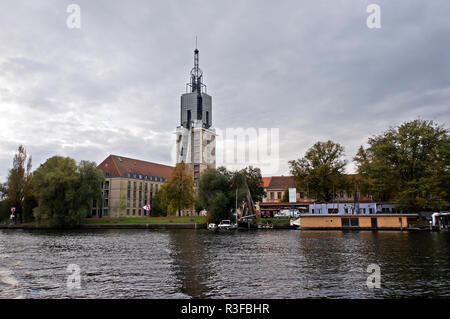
column 132, row 181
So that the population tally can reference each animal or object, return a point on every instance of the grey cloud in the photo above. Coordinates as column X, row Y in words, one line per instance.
column 311, row 68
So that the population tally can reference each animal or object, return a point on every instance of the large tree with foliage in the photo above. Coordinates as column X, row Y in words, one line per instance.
column 20, row 194
column 65, row 190
column 159, row 203
column 179, row 189
column 215, row 194
column 4, row 204
column 321, row 171
column 249, row 177
column 409, row 165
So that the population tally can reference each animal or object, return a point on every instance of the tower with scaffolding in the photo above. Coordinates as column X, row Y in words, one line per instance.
column 196, row 137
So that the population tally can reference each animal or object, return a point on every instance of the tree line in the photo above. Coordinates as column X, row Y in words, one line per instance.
column 408, row 165
column 60, row 192
column 218, row 192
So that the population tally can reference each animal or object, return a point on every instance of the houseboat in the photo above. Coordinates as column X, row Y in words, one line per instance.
column 356, row 221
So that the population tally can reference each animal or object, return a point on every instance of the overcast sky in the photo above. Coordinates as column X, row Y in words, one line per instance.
column 311, row 68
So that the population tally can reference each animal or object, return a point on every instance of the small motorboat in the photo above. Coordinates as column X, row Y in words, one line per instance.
column 225, row 225
column 295, row 223
column 212, row 226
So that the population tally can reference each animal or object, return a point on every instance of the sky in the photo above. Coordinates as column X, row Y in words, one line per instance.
column 311, row 68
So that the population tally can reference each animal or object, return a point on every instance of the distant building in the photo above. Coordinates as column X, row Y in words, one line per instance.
column 195, row 137
column 130, row 183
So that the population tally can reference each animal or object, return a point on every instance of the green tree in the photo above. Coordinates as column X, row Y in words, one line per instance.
column 321, row 171
column 158, row 203
column 65, row 190
column 285, row 198
column 19, row 182
column 248, row 177
column 179, row 190
column 215, row 194
column 4, row 204
column 409, row 165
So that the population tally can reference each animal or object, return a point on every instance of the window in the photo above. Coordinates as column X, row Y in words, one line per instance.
column 139, row 212
column 134, row 212
column 279, row 195
column 345, row 222
column 107, row 174
column 94, row 212
column 105, row 212
column 271, row 195
column 354, row 222
column 341, row 194
column 128, row 212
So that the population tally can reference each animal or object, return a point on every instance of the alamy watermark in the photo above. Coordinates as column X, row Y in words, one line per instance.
column 235, row 148
column 259, row 147
column 73, row 21
column 373, row 21
column 374, row 279
column 74, row 278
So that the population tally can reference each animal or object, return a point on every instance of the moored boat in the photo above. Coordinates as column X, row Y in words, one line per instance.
column 226, row 225
column 247, row 222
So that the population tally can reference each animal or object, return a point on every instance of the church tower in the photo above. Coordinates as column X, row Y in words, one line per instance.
column 196, row 137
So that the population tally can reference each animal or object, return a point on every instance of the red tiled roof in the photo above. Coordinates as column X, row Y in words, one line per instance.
column 266, row 181
column 118, row 166
column 281, row 182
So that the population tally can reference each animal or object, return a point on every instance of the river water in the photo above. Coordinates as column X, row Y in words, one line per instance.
column 203, row 264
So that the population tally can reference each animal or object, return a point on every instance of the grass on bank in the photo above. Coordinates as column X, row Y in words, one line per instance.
column 272, row 220
column 147, row 220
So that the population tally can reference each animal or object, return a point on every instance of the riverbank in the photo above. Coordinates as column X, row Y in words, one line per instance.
column 182, row 222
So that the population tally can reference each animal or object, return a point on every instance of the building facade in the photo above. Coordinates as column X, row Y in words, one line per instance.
column 130, row 185
column 196, row 137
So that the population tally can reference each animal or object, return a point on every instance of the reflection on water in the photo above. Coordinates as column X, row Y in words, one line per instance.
column 202, row 264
